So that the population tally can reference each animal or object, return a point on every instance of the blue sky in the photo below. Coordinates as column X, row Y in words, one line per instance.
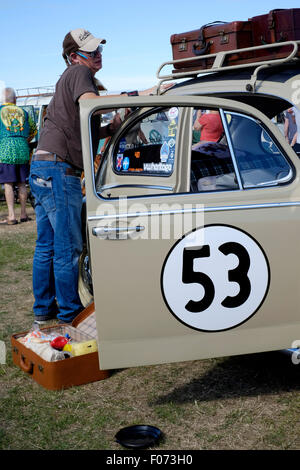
column 137, row 33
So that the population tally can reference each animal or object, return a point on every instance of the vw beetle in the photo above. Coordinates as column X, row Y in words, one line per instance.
column 193, row 246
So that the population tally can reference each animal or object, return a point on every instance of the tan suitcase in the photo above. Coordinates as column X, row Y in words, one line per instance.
column 64, row 373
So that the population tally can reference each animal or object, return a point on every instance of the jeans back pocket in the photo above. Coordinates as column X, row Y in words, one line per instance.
column 42, row 190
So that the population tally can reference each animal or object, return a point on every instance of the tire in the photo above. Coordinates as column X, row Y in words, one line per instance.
column 85, row 286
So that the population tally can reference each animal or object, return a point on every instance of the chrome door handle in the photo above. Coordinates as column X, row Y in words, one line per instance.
column 115, row 232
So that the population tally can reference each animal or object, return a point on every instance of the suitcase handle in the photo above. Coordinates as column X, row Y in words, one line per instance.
column 204, row 46
column 24, row 367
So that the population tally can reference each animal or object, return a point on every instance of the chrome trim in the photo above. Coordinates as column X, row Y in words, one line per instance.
column 147, row 186
column 285, row 179
column 231, row 149
column 196, row 210
column 235, row 113
column 100, row 231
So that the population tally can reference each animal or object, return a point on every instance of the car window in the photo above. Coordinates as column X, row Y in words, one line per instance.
column 148, row 145
column 212, row 167
column 259, row 159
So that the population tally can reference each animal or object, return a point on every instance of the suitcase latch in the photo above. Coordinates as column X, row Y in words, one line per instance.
column 224, row 37
column 182, row 45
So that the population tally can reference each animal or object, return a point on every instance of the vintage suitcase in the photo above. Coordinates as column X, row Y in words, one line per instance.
column 275, row 27
column 210, row 39
column 64, row 373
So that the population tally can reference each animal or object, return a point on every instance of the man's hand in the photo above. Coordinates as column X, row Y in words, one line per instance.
column 115, row 123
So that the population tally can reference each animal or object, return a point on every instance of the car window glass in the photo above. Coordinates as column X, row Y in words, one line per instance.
column 258, row 156
column 147, row 146
column 212, row 167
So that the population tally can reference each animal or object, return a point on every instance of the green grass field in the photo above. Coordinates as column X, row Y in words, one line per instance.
column 245, row 402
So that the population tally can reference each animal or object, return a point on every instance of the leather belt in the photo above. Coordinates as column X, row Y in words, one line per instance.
column 52, row 157
column 46, row 157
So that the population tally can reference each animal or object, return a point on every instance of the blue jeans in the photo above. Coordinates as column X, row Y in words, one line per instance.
column 59, row 241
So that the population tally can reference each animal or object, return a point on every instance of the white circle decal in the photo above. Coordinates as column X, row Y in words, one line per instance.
column 173, row 113
column 215, row 278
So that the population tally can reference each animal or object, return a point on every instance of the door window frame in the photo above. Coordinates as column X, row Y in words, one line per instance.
column 88, row 107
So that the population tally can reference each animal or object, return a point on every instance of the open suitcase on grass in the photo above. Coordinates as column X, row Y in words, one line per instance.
column 61, row 374
column 275, row 27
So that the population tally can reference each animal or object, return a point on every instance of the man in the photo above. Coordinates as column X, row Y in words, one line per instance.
column 17, row 128
column 55, row 181
column 296, row 139
column 290, row 127
column 210, row 125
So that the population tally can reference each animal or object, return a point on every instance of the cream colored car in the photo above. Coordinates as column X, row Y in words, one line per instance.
column 195, row 245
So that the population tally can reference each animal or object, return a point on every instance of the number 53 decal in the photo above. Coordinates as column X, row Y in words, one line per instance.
column 215, row 278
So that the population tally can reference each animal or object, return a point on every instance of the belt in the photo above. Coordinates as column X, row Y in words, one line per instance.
column 52, row 157
column 46, row 157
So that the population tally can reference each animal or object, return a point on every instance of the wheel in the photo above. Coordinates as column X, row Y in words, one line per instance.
column 85, row 286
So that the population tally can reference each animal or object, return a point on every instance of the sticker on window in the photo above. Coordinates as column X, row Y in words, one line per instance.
column 119, row 163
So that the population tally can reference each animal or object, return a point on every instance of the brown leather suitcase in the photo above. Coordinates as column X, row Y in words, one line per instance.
column 210, row 39
column 62, row 374
column 275, row 27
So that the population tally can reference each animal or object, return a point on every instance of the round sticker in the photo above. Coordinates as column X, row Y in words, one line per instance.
column 215, row 278
column 173, row 113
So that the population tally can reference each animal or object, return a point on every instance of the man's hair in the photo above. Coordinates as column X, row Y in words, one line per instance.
column 69, row 46
column 8, row 95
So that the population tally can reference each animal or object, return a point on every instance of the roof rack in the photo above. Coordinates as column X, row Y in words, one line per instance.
column 219, row 61
column 33, row 92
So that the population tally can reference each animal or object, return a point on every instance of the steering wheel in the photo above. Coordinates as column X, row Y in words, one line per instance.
column 155, row 137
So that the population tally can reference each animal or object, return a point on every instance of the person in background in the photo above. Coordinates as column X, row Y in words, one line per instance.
column 17, row 129
column 296, row 139
column 210, row 125
column 56, row 169
column 196, row 130
column 290, row 127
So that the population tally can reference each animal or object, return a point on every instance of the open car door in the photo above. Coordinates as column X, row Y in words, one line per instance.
column 184, row 265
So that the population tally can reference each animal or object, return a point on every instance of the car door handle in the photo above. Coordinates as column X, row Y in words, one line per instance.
column 115, row 232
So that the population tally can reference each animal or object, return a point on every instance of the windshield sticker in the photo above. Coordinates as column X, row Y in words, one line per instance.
column 157, row 167
column 215, row 278
column 173, row 113
column 172, row 129
column 171, row 142
column 126, row 164
column 122, row 145
column 119, row 162
column 164, row 152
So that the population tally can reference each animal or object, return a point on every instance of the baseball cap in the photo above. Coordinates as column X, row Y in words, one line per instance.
column 80, row 39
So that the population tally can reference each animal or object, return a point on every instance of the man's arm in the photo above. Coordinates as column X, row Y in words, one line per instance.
column 105, row 131
column 286, row 127
column 294, row 140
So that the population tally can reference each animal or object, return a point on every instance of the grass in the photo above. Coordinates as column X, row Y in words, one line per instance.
column 245, row 402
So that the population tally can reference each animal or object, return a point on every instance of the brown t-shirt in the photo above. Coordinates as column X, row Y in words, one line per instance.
column 61, row 131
